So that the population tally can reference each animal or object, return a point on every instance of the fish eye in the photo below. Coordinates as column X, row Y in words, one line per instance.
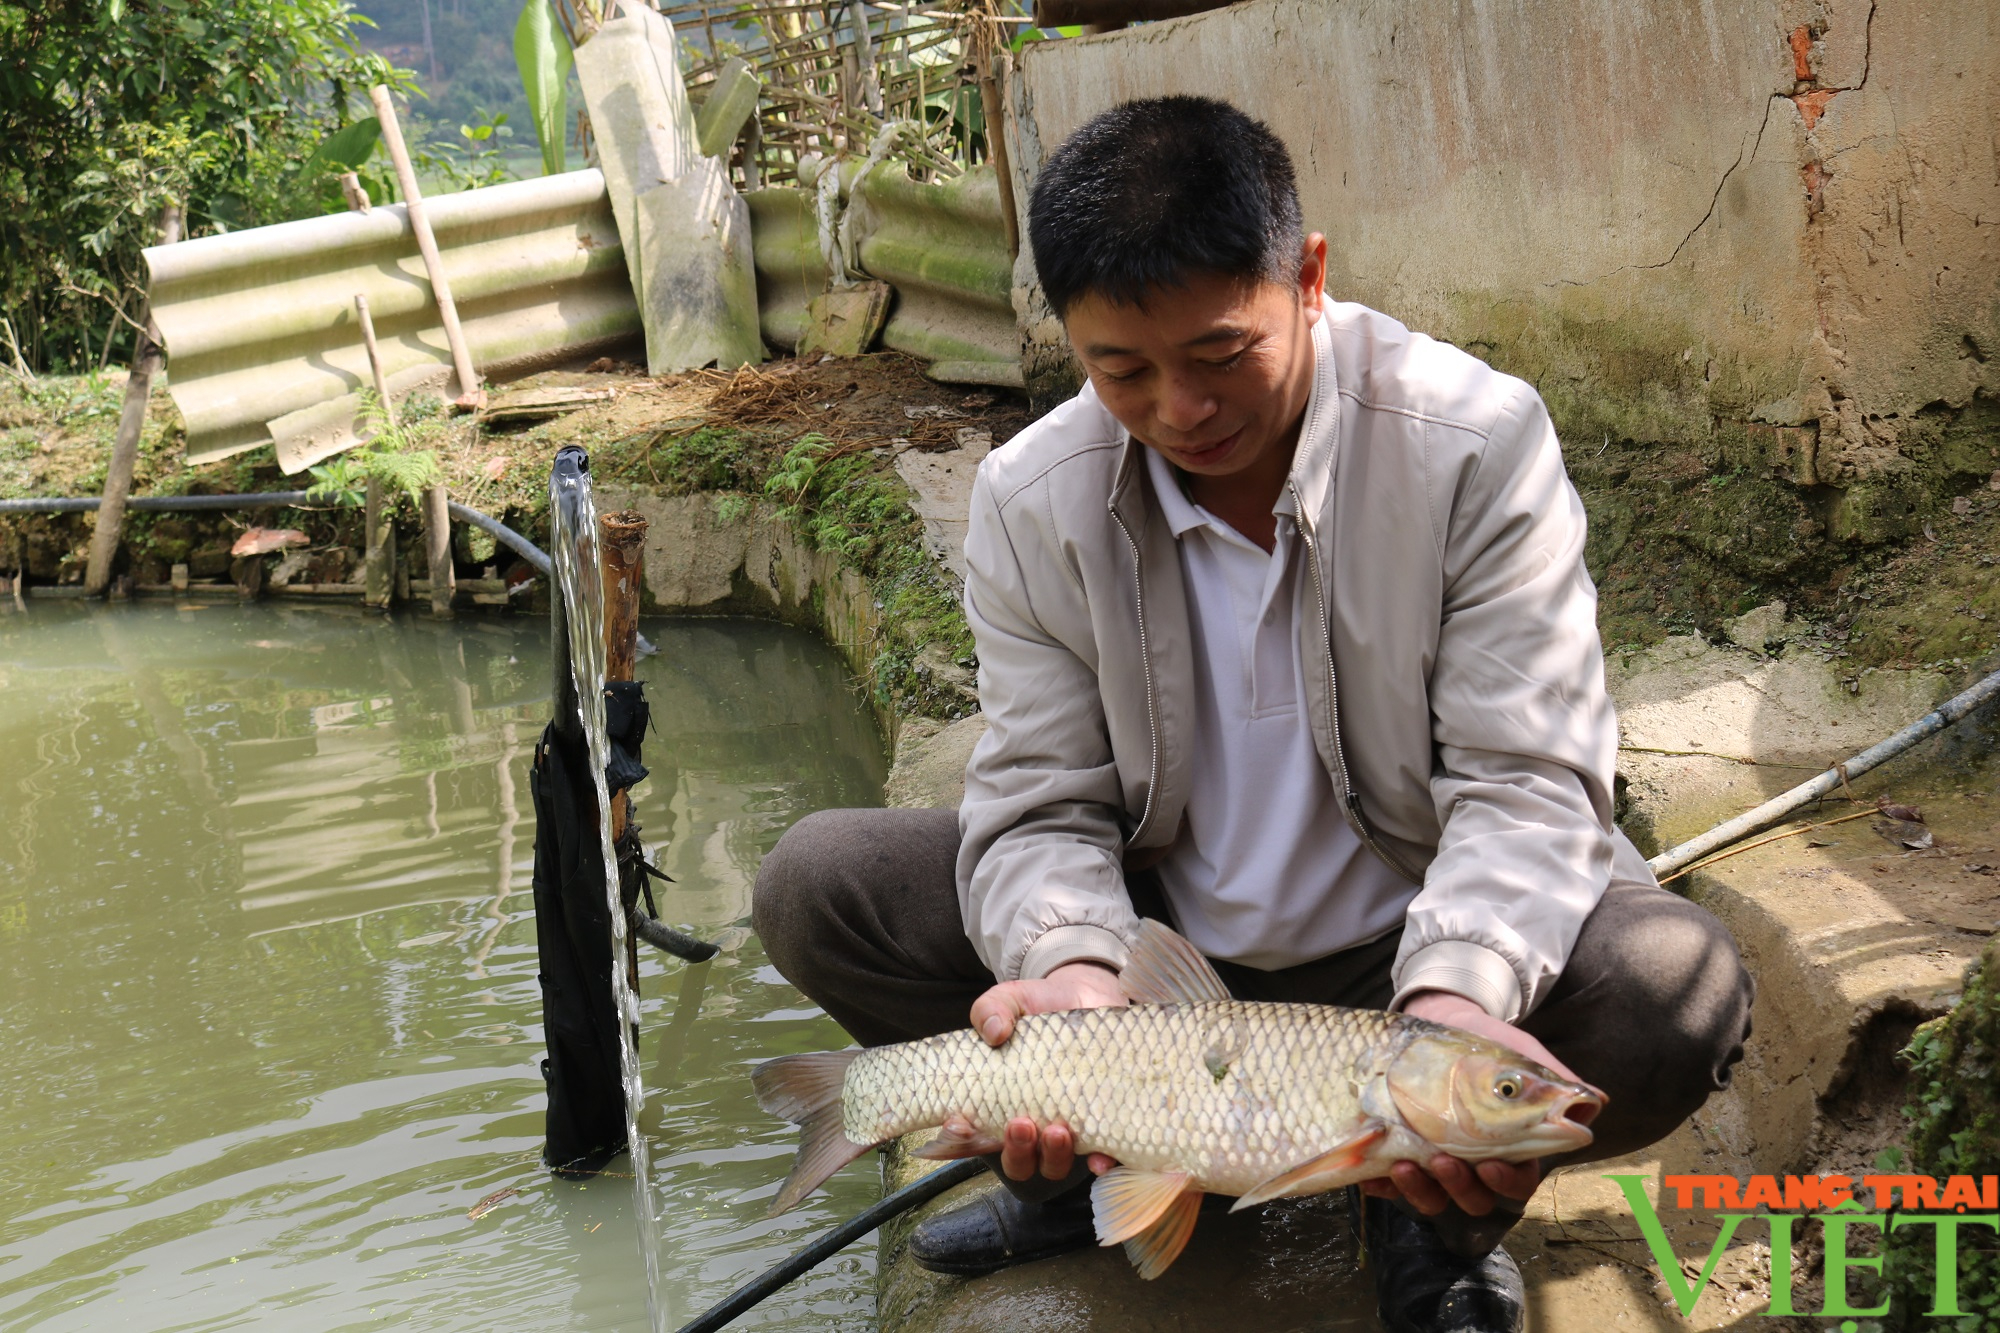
column 1508, row 1087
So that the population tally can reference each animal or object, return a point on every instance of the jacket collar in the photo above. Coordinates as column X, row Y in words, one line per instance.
column 1319, row 434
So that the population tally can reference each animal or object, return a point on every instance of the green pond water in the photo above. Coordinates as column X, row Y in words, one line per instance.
column 271, row 1018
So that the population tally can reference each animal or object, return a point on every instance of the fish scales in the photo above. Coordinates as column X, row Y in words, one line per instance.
column 1232, row 1091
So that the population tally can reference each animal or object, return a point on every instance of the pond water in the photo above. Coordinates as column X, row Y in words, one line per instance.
column 272, row 1023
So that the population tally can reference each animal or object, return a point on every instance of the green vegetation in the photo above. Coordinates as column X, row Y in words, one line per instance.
column 393, row 455
column 855, row 507
column 1954, row 1118
column 112, row 109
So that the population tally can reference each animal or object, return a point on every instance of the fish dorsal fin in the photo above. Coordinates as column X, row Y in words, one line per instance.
column 1126, row 1201
column 1342, row 1164
column 1165, row 969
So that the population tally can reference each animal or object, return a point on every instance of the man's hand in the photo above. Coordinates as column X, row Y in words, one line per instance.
column 1444, row 1180
column 1029, row 1149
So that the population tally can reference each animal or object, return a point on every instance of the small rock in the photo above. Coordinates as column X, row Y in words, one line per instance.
column 1962, row 505
column 1756, row 630
column 1905, row 834
column 293, row 564
column 1993, row 482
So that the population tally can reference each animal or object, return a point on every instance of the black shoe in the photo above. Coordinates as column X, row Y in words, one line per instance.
column 997, row 1231
column 1422, row 1287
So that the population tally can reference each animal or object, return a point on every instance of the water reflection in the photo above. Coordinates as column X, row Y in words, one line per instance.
column 270, row 972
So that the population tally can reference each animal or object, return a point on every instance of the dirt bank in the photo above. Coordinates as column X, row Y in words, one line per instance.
column 813, row 446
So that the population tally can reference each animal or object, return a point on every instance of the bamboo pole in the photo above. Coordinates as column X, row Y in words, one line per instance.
column 375, row 359
column 469, row 394
column 993, row 105
column 146, row 361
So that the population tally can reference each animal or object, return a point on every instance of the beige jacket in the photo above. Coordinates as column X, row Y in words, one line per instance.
column 1456, row 684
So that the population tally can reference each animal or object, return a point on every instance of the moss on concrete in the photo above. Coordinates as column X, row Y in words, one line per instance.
column 1898, row 568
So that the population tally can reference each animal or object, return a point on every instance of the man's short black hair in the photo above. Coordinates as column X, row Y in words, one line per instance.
column 1151, row 192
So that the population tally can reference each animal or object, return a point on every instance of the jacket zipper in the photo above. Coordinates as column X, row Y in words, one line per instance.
column 1145, row 656
column 1350, row 799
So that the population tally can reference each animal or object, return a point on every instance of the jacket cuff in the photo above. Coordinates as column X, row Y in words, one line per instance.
column 1072, row 944
column 1463, row 968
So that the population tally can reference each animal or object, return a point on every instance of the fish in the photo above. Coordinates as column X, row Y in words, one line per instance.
column 1192, row 1092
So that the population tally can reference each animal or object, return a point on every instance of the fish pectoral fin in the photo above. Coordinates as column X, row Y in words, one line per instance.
column 957, row 1138
column 1329, row 1170
column 1165, row 969
column 1125, row 1201
column 1160, row 1244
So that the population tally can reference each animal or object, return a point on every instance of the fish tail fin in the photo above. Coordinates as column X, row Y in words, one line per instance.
column 806, row 1090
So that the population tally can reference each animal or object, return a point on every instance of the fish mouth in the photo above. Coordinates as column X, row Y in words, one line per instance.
column 1570, row 1117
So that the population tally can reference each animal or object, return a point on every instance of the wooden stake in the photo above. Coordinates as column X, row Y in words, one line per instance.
column 379, row 563
column 437, row 548
column 469, row 395
column 621, row 547
column 146, row 361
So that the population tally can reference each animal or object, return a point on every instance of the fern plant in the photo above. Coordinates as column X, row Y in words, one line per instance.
column 389, row 456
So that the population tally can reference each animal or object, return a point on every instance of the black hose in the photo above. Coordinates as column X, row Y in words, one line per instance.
column 505, row 535
column 833, row 1242
column 662, row 936
column 83, row 504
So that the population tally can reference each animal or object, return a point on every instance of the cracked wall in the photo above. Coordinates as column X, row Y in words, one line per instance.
column 1761, row 232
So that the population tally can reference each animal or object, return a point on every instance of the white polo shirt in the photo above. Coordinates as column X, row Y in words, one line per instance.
column 1268, row 872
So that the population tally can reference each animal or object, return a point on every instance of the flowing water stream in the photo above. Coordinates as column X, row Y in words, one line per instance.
column 580, row 584
column 273, row 1026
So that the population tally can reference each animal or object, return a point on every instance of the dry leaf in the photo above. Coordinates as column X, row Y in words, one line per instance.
column 489, row 1203
column 262, row 541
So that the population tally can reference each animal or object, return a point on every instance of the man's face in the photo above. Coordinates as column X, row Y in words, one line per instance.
column 1214, row 374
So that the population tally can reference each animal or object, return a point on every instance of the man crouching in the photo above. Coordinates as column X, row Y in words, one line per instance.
column 1285, row 638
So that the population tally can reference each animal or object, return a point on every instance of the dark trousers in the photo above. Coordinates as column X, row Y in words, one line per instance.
column 859, row 909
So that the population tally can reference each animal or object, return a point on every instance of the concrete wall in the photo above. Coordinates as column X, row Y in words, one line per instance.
column 1674, row 218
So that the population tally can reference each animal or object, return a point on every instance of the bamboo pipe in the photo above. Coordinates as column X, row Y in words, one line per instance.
column 469, row 394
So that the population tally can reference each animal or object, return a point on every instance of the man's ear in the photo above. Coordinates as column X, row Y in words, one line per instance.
column 1312, row 276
